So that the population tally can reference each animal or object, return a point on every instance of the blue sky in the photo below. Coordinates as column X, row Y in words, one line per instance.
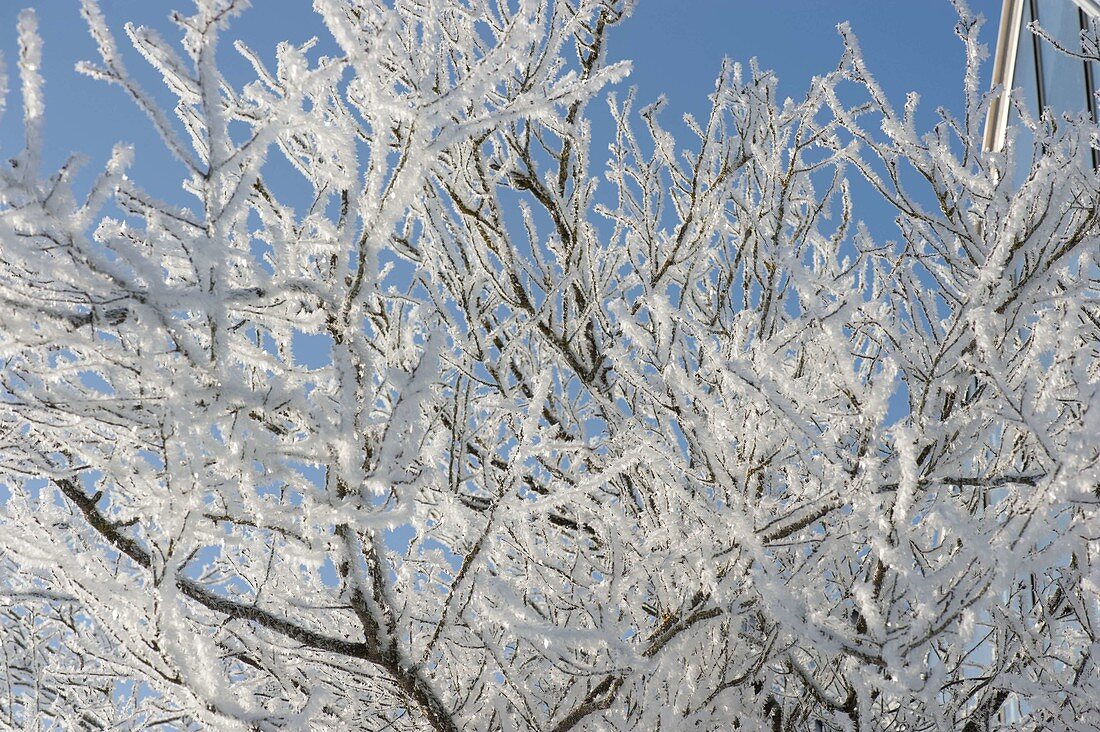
column 676, row 46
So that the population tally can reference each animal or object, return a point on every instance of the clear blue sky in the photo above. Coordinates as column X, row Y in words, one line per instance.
column 910, row 45
column 676, row 46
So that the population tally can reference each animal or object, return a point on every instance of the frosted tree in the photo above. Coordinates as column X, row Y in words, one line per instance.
column 671, row 442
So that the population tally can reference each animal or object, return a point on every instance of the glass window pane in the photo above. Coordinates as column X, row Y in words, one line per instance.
column 1092, row 86
column 1024, row 79
column 1024, row 73
column 1063, row 77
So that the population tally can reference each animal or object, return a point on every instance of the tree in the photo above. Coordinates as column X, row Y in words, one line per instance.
column 688, row 447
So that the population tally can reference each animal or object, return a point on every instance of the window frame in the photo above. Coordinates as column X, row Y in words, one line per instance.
column 1004, row 68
